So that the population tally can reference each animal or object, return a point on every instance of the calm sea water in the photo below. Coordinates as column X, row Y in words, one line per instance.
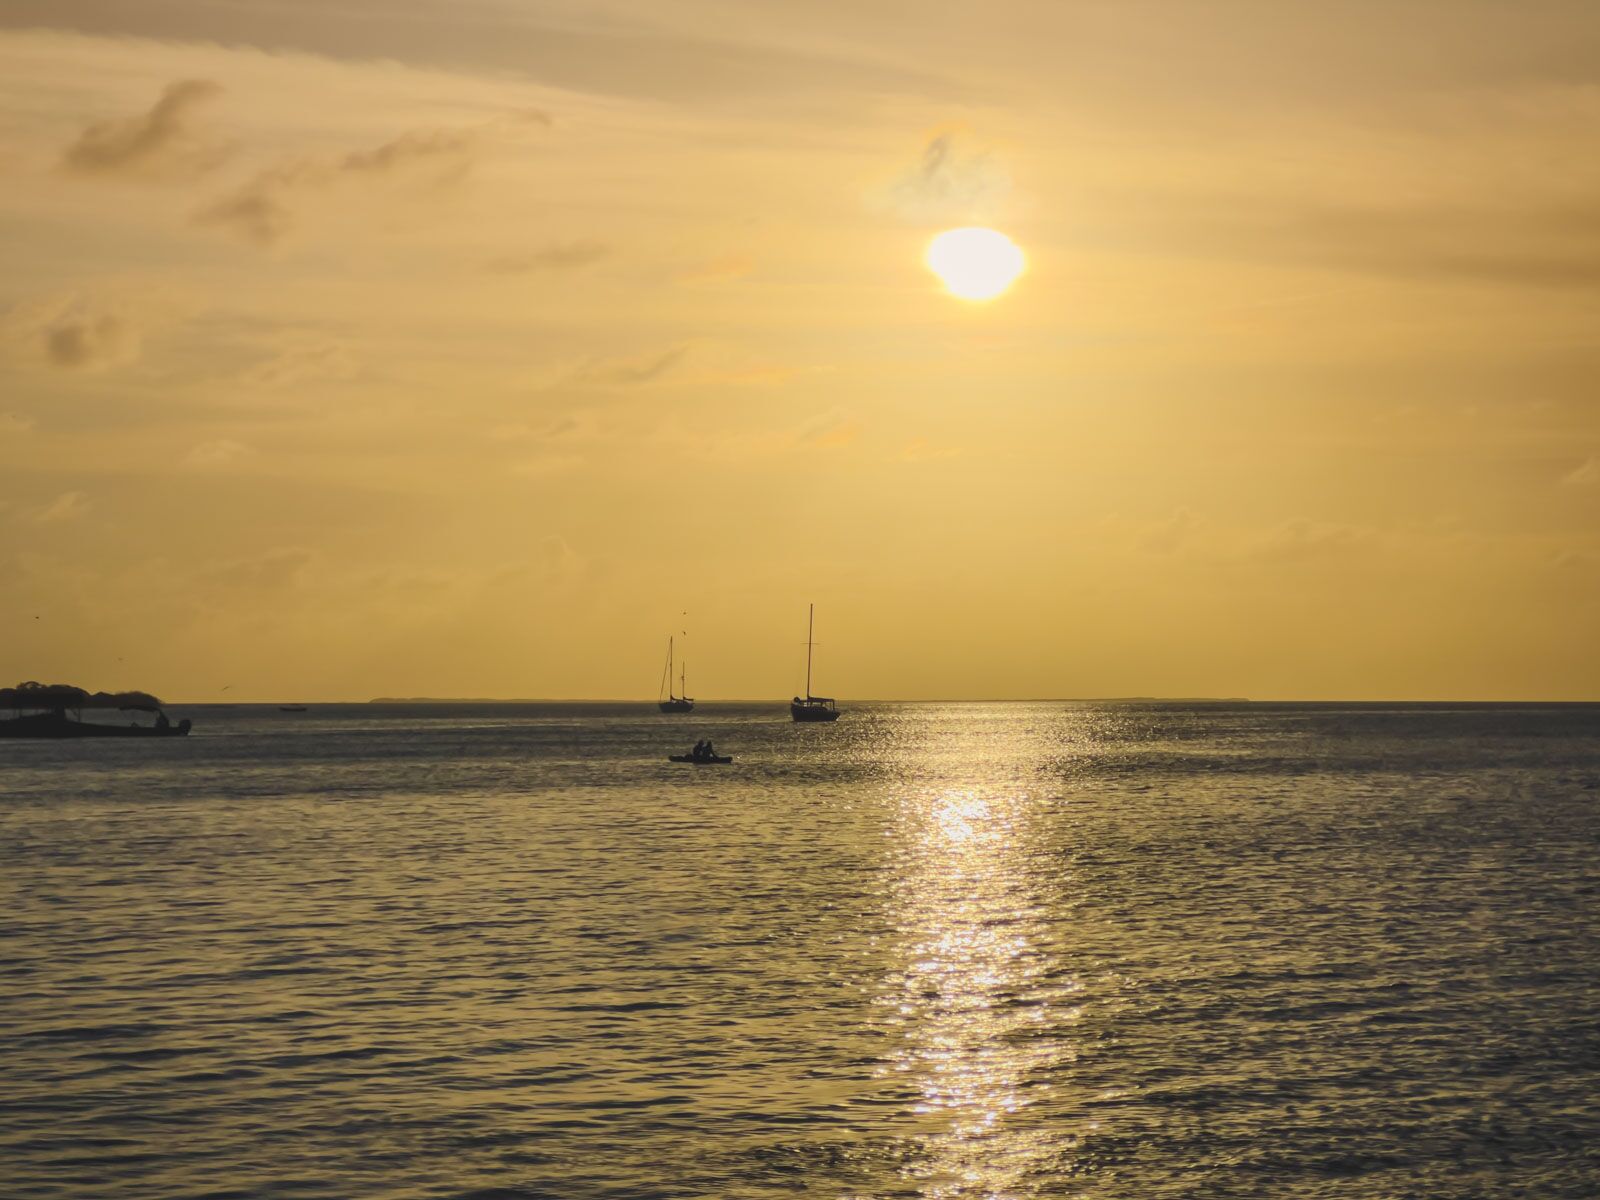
column 1009, row 950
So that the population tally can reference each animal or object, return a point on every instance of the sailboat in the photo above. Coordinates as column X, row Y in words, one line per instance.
column 809, row 707
column 673, row 703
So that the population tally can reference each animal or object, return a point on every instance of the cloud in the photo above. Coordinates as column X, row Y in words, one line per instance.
column 159, row 141
column 1585, row 474
column 950, row 182
column 266, row 207
column 1185, row 534
column 1300, row 540
column 560, row 427
column 724, row 269
column 1532, row 245
column 92, row 341
column 832, row 430
column 66, row 507
column 304, row 361
column 257, row 212
column 635, row 371
column 1172, row 534
column 270, row 569
column 922, row 450
column 219, row 453
column 545, row 464
column 558, row 446
column 563, row 256
column 89, row 330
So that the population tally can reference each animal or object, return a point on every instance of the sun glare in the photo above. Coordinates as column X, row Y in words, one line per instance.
column 974, row 263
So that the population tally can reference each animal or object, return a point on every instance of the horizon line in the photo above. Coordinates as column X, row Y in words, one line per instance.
column 1124, row 699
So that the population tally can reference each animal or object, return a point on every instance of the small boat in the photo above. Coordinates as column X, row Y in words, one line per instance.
column 809, row 708
column 291, row 708
column 674, row 703
column 42, row 712
column 712, row 760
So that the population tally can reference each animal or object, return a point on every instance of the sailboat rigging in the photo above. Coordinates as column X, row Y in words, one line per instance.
column 809, row 707
column 668, row 701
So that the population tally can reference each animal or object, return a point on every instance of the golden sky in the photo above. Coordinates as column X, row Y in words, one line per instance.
column 457, row 347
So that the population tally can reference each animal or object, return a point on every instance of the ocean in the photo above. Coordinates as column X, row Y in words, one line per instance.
column 490, row 952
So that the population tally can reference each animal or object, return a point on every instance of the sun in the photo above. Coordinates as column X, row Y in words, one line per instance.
column 974, row 263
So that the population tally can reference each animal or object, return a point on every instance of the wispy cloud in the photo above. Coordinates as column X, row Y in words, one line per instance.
column 723, row 269
column 1585, row 474
column 161, row 140
column 304, row 361
column 831, row 430
column 222, row 452
column 67, row 506
column 1309, row 540
column 920, row 449
column 271, row 569
column 266, row 207
column 631, row 372
column 563, row 256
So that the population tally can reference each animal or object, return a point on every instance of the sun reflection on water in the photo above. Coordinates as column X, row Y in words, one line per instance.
column 982, row 1007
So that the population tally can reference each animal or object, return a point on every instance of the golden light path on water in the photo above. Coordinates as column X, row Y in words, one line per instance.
column 984, row 1009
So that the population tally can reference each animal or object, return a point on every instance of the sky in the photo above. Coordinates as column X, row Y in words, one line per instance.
column 471, row 348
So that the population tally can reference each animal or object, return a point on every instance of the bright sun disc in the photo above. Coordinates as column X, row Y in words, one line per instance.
column 974, row 263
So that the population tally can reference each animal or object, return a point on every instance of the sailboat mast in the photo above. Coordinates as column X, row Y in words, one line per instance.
column 669, row 668
column 811, row 619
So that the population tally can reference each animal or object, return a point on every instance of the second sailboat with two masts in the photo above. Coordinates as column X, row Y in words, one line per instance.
column 670, row 701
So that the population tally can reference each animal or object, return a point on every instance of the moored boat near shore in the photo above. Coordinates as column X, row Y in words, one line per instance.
column 55, row 710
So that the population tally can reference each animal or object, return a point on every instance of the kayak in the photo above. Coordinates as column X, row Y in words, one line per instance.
column 714, row 760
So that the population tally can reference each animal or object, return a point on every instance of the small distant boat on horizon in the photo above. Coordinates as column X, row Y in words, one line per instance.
column 809, row 708
column 672, row 703
column 292, row 708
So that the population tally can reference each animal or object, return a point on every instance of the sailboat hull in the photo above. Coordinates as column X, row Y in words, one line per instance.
column 813, row 712
column 676, row 706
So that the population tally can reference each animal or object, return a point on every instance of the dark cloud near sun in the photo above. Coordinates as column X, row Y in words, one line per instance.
column 951, row 181
column 161, row 140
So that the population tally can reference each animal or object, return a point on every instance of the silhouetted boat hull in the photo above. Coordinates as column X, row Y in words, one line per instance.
column 291, row 708
column 813, row 708
column 59, row 725
column 716, row 760
column 676, row 705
